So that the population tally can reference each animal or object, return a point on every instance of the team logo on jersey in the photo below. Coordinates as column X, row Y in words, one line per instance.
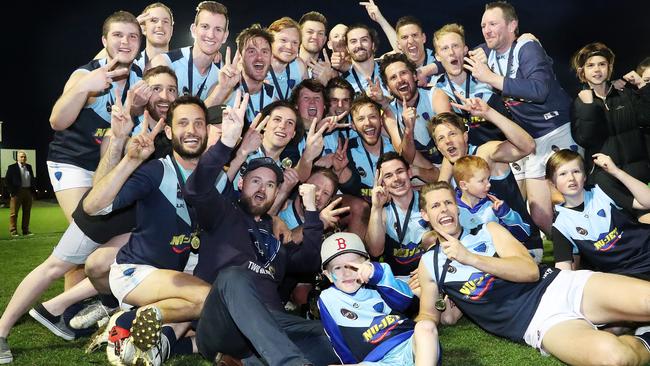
column 607, row 241
column 99, row 135
column 451, row 269
column 426, row 116
column 478, row 285
column 361, row 172
column 408, row 253
column 180, row 243
column 602, row 213
column 349, row 314
column 480, row 248
column 516, row 166
column 581, row 231
column 381, row 328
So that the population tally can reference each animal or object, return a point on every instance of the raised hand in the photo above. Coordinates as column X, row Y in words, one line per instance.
column 141, row 146
column 340, row 161
column 332, row 122
column 253, row 137
column 121, row 121
column 479, row 69
column 475, row 106
column 453, row 248
column 340, row 59
column 605, row 162
column 102, row 77
column 307, row 192
column 373, row 10
column 314, row 141
column 330, row 214
column 233, row 120
column 322, row 70
column 230, row 72
column 586, row 96
column 478, row 55
column 374, row 90
column 635, row 79
column 496, row 202
column 379, row 195
column 364, row 270
column 141, row 92
column 409, row 115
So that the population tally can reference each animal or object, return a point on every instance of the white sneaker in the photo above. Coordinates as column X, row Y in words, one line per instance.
column 156, row 355
column 90, row 315
column 100, row 337
column 116, row 337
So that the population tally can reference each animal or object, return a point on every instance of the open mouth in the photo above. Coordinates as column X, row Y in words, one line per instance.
column 162, row 106
column 159, row 34
column 258, row 66
column 191, row 141
column 404, row 88
column 280, row 134
column 369, row 131
column 259, row 197
column 312, row 111
column 446, row 221
column 452, row 150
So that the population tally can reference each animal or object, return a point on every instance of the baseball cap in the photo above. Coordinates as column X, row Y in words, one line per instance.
column 341, row 243
column 263, row 162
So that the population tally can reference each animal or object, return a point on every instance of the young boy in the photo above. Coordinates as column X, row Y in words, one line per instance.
column 362, row 311
column 476, row 205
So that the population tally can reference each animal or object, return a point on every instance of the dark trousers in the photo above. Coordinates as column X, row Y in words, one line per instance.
column 236, row 322
column 22, row 198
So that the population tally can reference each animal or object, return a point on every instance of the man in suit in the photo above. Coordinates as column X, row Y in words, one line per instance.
column 20, row 181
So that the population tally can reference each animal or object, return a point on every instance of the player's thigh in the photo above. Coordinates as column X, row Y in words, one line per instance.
column 609, row 298
column 165, row 284
column 69, row 199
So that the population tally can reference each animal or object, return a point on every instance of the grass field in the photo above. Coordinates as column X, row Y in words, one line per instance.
column 32, row 344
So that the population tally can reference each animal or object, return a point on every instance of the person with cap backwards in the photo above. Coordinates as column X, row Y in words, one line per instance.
column 362, row 311
column 243, row 315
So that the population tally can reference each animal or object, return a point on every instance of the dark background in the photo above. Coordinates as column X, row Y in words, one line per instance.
column 45, row 43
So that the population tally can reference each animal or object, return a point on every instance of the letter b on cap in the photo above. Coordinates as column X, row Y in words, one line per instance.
column 341, row 243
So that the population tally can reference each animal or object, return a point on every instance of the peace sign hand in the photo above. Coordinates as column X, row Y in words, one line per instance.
column 379, row 195
column 475, row 106
column 330, row 214
column 374, row 91
column 332, row 122
column 121, row 121
column 496, row 202
column 141, row 146
column 253, row 137
column 102, row 77
column 340, row 161
column 233, row 120
column 373, row 10
column 453, row 248
column 230, row 72
column 314, row 140
column 364, row 270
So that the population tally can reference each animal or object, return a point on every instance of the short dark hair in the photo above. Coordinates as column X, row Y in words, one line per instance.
column 337, row 83
column 251, row 32
column 391, row 59
column 391, row 155
column 300, row 131
column 509, row 13
column 162, row 69
column 360, row 101
column 313, row 16
column 184, row 100
column 211, row 7
column 406, row 20
column 374, row 36
column 643, row 65
column 310, row 84
column 120, row 16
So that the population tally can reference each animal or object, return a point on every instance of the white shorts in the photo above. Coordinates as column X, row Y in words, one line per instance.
column 123, row 278
column 534, row 165
column 65, row 176
column 561, row 302
column 74, row 246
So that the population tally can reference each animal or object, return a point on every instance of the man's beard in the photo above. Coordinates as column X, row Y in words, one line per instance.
column 178, row 147
column 248, row 207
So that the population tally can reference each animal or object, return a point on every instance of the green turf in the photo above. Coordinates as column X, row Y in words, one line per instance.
column 32, row 344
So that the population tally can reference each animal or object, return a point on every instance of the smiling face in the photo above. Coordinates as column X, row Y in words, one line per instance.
column 313, row 36
column 122, row 42
column 570, row 178
column 188, row 132
column 258, row 190
column 441, row 211
column 159, row 28
column 397, row 177
column 401, row 81
column 360, row 44
column 451, row 50
column 596, row 70
column 367, row 122
column 280, row 128
column 209, row 32
column 340, row 101
column 498, row 33
column 310, row 105
column 286, row 44
column 342, row 276
column 256, row 57
column 411, row 40
column 450, row 141
column 165, row 91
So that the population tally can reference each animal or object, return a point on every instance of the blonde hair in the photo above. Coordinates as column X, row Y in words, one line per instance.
column 560, row 158
column 446, row 29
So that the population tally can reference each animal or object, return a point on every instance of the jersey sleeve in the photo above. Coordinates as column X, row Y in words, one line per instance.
column 512, row 221
column 396, row 293
column 562, row 248
column 139, row 185
column 586, row 124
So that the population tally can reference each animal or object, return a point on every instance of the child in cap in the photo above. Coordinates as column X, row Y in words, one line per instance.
column 362, row 311
column 475, row 203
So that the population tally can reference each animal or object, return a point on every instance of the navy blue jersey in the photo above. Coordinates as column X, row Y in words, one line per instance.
column 479, row 130
column 500, row 307
column 367, row 324
column 161, row 237
column 182, row 63
column 404, row 257
column 530, row 90
column 79, row 144
column 604, row 236
column 423, row 141
column 505, row 188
